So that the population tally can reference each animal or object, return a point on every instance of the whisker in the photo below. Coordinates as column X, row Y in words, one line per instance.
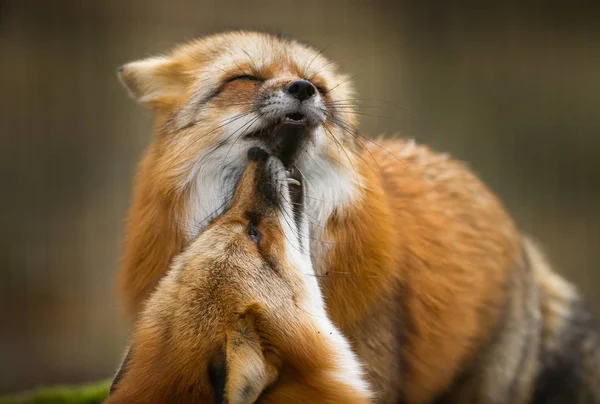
column 282, row 198
column 227, row 122
column 360, row 114
column 319, row 53
column 246, row 126
column 347, row 156
column 340, row 83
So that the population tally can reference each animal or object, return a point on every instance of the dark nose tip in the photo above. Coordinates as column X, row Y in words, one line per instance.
column 301, row 89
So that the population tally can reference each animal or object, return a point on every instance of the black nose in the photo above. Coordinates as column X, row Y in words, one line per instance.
column 301, row 89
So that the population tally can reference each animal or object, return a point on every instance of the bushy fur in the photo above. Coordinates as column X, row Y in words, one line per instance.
column 240, row 318
column 419, row 263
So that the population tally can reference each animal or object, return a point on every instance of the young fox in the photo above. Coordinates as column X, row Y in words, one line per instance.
column 239, row 317
column 420, row 265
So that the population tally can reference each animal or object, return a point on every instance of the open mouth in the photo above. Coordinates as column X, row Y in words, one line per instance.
column 295, row 119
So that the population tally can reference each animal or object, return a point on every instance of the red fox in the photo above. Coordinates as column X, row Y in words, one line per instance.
column 239, row 318
column 420, row 265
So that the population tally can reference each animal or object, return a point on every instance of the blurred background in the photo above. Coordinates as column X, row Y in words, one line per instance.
column 514, row 90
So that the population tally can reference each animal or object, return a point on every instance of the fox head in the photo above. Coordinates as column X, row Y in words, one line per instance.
column 215, row 98
column 239, row 317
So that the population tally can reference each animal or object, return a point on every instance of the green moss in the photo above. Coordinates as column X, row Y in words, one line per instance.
column 93, row 393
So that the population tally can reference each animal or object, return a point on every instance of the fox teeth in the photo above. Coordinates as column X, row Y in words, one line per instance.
column 293, row 181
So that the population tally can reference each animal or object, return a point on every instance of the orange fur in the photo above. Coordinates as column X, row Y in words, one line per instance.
column 414, row 259
column 250, row 308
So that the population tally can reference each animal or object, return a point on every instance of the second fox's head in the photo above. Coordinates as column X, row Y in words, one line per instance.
column 239, row 317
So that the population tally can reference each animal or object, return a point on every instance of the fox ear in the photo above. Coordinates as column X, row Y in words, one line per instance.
column 153, row 81
column 249, row 372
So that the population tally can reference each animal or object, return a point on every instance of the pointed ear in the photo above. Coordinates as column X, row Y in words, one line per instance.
column 249, row 372
column 153, row 81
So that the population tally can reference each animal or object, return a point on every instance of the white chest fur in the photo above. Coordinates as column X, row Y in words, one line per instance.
column 327, row 187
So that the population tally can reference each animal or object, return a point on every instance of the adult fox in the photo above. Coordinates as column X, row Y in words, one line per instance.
column 420, row 265
column 240, row 318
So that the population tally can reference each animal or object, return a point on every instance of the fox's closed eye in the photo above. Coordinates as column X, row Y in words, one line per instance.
column 254, row 233
column 247, row 77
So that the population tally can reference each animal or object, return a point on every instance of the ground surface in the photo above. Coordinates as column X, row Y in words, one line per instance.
column 93, row 393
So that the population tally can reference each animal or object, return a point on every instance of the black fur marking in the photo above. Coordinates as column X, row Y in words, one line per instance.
column 471, row 369
column 528, row 291
column 290, row 139
column 266, row 186
column 283, row 140
column 405, row 325
column 562, row 379
column 217, row 373
column 253, row 217
column 246, row 391
column 257, row 154
column 297, row 198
